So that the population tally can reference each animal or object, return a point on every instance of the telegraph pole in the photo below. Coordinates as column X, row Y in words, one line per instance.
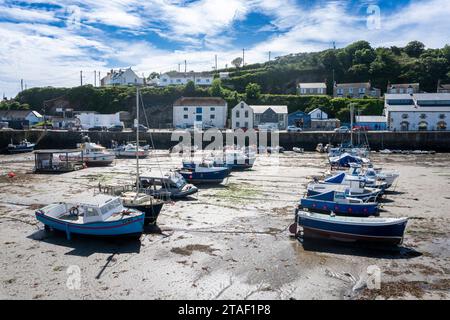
column 179, row 67
column 99, row 82
column 185, row 66
column 95, row 78
column 243, row 57
column 81, row 77
column 269, row 55
column 216, row 61
column 21, row 84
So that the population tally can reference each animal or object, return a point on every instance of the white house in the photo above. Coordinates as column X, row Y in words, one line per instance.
column 121, row 77
column 210, row 111
column 181, row 78
column 318, row 114
column 251, row 116
column 417, row 112
column 319, row 88
column 31, row 116
column 403, row 88
column 93, row 119
column 242, row 116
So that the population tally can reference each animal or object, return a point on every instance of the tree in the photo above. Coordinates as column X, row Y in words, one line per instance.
column 414, row 49
column 216, row 88
column 253, row 91
column 153, row 75
column 237, row 62
column 189, row 88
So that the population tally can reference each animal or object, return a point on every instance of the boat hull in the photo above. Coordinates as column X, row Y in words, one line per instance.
column 362, row 196
column 151, row 211
column 201, row 178
column 13, row 150
column 354, row 210
column 335, row 230
column 124, row 227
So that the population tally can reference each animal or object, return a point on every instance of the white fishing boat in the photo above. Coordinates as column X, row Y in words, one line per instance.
column 95, row 154
column 356, row 188
column 130, row 150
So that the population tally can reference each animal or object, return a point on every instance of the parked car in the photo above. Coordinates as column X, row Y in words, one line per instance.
column 141, row 127
column 294, row 129
column 360, row 128
column 116, row 128
column 342, row 130
column 95, row 128
column 268, row 127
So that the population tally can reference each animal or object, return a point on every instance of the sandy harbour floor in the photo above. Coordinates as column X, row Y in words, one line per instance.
column 227, row 242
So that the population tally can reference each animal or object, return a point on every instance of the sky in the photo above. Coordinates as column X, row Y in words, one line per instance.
column 48, row 42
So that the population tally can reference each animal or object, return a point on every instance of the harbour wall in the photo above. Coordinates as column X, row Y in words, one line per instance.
column 53, row 139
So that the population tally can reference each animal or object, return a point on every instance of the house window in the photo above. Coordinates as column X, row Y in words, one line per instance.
column 198, row 117
column 423, row 126
column 340, row 91
column 242, row 105
column 362, row 90
column 404, row 126
column 237, row 124
column 212, row 116
column 442, row 116
column 246, row 124
column 400, row 90
column 246, row 113
column 423, row 116
column 442, row 125
column 410, row 90
column 185, row 109
column 199, row 80
column 405, row 116
column 164, row 80
column 207, row 80
column 350, row 90
column 199, row 110
column 212, row 109
column 237, row 114
column 185, row 116
column 178, row 80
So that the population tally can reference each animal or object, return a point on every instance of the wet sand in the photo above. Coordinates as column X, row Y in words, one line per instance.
column 227, row 242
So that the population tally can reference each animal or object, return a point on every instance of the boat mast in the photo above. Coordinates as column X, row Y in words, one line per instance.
column 137, row 139
column 352, row 110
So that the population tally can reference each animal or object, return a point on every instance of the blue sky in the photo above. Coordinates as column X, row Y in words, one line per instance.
column 48, row 42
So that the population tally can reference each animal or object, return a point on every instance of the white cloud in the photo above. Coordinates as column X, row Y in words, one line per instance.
column 44, row 54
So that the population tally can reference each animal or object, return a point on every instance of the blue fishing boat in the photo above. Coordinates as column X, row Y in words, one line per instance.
column 340, row 204
column 100, row 215
column 351, row 229
column 22, row 147
column 205, row 172
column 344, row 160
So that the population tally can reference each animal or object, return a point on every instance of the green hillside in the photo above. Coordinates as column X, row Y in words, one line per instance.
column 274, row 82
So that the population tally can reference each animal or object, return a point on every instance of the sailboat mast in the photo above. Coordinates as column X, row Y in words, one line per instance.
column 352, row 109
column 137, row 139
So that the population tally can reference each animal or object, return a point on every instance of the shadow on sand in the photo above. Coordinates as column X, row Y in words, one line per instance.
column 84, row 246
column 359, row 249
